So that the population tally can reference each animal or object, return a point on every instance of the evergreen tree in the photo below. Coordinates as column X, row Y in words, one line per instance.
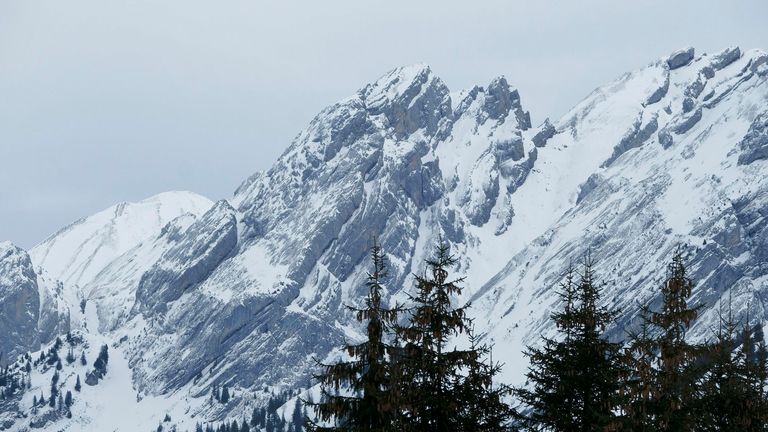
column 68, row 399
column 224, row 395
column 298, row 418
column 258, row 417
column 356, row 394
column 662, row 388
column 574, row 381
column 676, row 374
column 77, row 384
column 723, row 387
column 100, row 365
column 753, row 370
column 431, row 372
column 482, row 403
column 54, row 389
column 639, row 382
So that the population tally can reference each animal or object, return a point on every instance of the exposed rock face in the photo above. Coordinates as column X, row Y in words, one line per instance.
column 665, row 139
column 410, row 99
column 635, row 137
column 31, row 312
column 725, row 57
column 546, row 131
column 660, row 91
column 686, row 123
column 189, row 260
column 754, row 145
column 680, row 58
column 91, row 378
column 20, row 304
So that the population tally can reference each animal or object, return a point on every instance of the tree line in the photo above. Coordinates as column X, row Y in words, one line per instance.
column 410, row 374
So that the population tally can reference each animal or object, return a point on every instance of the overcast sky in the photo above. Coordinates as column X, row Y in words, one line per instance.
column 109, row 101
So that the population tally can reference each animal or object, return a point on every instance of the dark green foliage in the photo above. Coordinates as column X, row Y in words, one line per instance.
column 676, row 373
column 662, row 389
column 100, row 365
column 440, row 386
column 259, row 417
column 732, row 394
column 678, row 386
column 420, row 380
column 574, row 380
column 356, row 394
column 431, row 371
column 53, row 356
column 54, row 388
column 755, row 371
column 639, row 382
column 298, row 418
column 482, row 401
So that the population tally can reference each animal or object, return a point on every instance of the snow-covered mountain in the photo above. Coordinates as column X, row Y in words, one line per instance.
column 247, row 292
column 77, row 253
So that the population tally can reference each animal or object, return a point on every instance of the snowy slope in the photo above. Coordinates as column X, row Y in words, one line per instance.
column 670, row 173
column 248, row 292
column 77, row 253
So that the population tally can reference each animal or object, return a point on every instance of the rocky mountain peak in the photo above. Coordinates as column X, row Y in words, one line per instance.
column 410, row 98
column 502, row 100
column 15, row 264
